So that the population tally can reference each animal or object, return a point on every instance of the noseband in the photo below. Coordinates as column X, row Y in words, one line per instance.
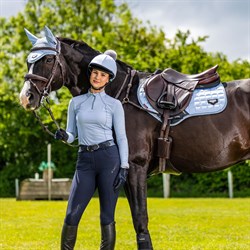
column 48, row 81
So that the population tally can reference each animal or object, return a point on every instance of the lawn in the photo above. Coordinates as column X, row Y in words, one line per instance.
column 183, row 224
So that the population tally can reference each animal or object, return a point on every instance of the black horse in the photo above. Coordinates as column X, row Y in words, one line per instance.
column 200, row 144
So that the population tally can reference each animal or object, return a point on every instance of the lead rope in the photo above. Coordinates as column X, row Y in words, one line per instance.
column 45, row 128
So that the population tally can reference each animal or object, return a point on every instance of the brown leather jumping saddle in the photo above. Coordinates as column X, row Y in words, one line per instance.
column 169, row 93
column 172, row 90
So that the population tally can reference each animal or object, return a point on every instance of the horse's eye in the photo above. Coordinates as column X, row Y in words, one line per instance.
column 49, row 60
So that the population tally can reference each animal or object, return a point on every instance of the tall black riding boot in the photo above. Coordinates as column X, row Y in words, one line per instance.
column 68, row 237
column 144, row 242
column 108, row 237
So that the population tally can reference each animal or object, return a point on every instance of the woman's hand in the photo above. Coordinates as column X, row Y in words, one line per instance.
column 61, row 134
column 120, row 179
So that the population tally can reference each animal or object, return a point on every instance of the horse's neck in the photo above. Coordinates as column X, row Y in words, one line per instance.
column 75, row 69
column 77, row 56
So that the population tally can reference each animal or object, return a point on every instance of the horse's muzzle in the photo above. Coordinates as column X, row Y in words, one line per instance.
column 27, row 98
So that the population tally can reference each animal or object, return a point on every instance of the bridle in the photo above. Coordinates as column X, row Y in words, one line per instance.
column 44, row 93
column 48, row 81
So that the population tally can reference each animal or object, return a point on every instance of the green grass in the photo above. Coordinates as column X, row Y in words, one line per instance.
column 183, row 224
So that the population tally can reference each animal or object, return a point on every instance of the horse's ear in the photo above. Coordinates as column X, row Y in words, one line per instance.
column 31, row 37
column 49, row 35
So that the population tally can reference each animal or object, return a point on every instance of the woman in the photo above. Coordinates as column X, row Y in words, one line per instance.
column 102, row 163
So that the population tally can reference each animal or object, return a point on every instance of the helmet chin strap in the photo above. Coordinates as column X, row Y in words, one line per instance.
column 99, row 87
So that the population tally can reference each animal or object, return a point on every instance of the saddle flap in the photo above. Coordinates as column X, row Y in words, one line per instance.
column 155, row 87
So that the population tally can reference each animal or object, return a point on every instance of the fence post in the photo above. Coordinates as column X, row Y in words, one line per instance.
column 49, row 172
column 166, row 185
column 17, row 188
column 230, row 183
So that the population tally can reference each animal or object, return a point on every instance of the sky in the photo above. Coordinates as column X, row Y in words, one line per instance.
column 226, row 22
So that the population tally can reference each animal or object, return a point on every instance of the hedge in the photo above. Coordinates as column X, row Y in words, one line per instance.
column 214, row 184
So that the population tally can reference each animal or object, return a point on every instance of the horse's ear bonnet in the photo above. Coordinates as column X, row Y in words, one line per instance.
column 105, row 62
column 49, row 41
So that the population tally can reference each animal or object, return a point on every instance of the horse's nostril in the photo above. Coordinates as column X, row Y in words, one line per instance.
column 27, row 106
column 30, row 96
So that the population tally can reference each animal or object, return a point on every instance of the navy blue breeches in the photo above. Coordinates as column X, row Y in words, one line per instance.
column 94, row 170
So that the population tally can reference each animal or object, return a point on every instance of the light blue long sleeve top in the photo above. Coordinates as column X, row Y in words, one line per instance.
column 92, row 116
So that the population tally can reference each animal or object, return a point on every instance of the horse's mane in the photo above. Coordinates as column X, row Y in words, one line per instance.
column 85, row 49
column 79, row 45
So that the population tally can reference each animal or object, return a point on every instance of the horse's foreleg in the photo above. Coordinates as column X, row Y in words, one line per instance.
column 136, row 191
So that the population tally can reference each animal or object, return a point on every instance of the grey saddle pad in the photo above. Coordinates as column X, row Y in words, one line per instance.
column 205, row 101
